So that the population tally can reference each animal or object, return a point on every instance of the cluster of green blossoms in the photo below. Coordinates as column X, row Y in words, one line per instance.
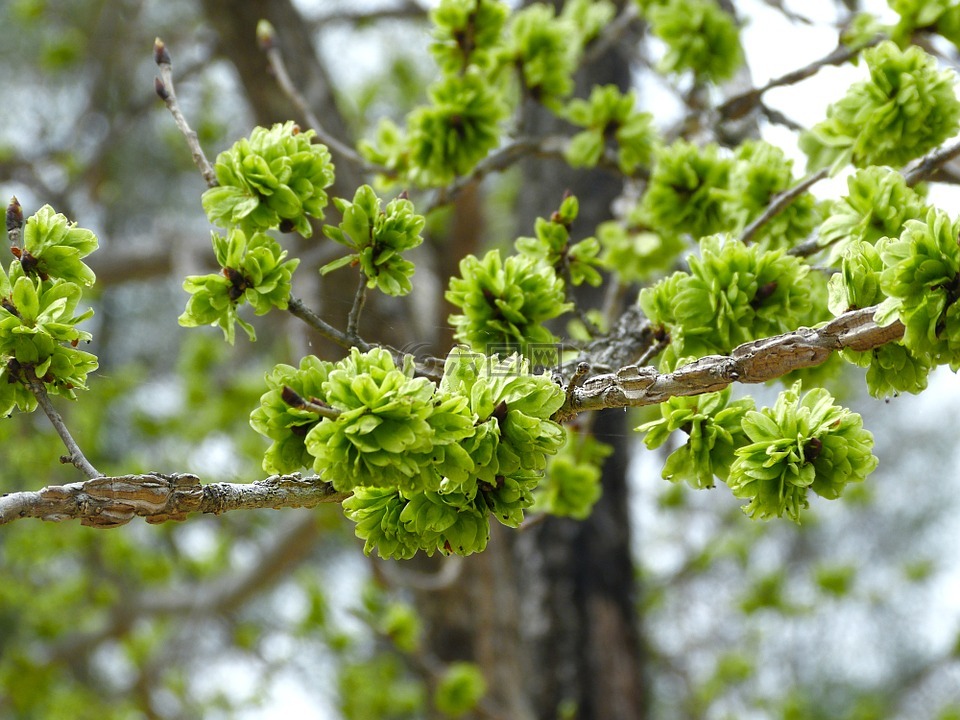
column 907, row 107
column 504, row 303
column 426, row 465
column 891, row 368
column 275, row 179
column 921, row 279
column 712, row 426
column 377, row 238
column 39, row 297
column 802, row 443
column 769, row 457
column 484, row 53
column 255, row 270
column 700, row 37
column 940, row 16
column 877, row 205
column 732, row 294
column 571, row 486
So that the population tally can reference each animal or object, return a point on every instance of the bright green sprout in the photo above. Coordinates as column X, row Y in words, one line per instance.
column 285, row 424
column 38, row 333
column 761, row 171
column 545, row 49
column 255, row 270
column 712, row 426
column 391, row 428
column 907, row 107
column 461, row 687
column 54, row 247
column 802, row 444
column 378, row 237
column 576, row 263
column 275, row 179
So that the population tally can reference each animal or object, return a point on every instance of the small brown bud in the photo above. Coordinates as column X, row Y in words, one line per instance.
column 160, row 54
column 14, row 215
column 161, row 89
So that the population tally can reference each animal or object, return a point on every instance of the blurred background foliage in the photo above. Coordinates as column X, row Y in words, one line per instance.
column 276, row 614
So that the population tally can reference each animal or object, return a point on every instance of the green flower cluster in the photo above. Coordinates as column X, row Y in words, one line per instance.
column 761, row 171
column 275, row 179
column 545, row 49
column 610, row 116
column 255, row 270
column 378, row 237
column 733, row 294
column 699, row 36
column 941, row 16
column 686, row 192
column 501, row 459
column 467, row 32
column 712, row 425
column 287, row 425
column 634, row 252
column 891, row 368
column 456, row 130
column 578, row 262
column 571, row 486
column 460, row 688
column 391, row 430
column 38, row 311
column 802, row 443
column 505, row 303
column 921, row 279
column 877, row 205
column 426, row 465
column 906, row 108
column 53, row 247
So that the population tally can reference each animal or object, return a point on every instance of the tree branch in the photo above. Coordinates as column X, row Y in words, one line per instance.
column 740, row 105
column 164, row 88
column 753, row 362
column 296, row 308
column 76, row 457
column 265, row 37
column 781, row 202
column 106, row 502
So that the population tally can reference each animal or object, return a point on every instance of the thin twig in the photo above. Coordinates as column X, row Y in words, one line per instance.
column 611, row 34
column 105, row 502
column 267, row 41
column 359, row 299
column 294, row 399
column 296, row 308
column 931, row 163
column 405, row 11
column 781, row 202
column 740, row 105
column 164, row 88
column 501, row 159
column 76, row 456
